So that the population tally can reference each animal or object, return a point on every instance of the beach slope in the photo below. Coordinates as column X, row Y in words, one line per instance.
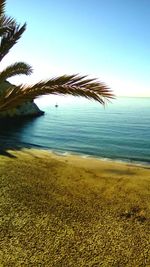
column 70, row 211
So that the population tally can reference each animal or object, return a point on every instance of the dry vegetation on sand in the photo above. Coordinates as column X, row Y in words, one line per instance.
column 66, row 211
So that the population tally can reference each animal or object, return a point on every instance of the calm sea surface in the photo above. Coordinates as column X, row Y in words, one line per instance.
column 120, row 131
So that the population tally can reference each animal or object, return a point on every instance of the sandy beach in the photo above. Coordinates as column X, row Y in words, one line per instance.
column 71, row 211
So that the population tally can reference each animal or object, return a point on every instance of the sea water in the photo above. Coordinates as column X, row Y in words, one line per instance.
column 118, row 131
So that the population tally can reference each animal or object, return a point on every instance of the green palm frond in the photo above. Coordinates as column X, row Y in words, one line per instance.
column 15, row 69
column 63, row 85
column 10, row 38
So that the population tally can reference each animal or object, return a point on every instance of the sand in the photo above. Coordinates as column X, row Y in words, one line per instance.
column 71, row 211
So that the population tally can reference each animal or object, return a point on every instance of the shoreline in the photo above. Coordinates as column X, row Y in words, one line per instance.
column 92, row 157
column 79, row 160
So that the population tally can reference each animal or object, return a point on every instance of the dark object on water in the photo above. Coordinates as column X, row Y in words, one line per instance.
column 56, row 106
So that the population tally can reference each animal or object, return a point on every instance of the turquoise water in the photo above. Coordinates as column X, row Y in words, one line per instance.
column 120, row 131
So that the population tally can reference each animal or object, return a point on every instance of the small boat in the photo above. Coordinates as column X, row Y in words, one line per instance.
column 56, row 106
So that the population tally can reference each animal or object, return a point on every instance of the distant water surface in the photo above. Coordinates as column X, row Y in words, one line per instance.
column 120, row 131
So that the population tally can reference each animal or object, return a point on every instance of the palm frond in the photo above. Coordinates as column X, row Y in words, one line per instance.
column 15, row 69
column 63, row 85
column 2, row 7
column 6, row 24
column 10, row 38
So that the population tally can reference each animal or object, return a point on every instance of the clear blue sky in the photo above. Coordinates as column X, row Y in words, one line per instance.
column 107, row 39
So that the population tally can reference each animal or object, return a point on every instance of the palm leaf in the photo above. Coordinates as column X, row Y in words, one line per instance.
column 2, row 7
column 15, row 69
column 6, row 24
column 10, row 38
column 63, row 85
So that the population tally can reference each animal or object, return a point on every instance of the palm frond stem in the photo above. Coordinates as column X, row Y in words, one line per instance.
column 63, row 85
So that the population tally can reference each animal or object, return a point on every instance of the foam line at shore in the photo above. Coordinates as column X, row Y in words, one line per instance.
column 92, row 157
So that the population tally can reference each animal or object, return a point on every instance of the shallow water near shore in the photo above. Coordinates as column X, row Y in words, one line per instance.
column 120, row 131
